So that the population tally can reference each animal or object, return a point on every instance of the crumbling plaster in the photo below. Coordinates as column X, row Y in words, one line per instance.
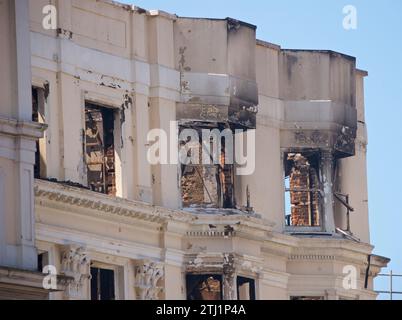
column 152, row 67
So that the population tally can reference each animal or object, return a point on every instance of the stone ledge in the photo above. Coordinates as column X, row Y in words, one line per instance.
column 27, row 129
column 18, row 284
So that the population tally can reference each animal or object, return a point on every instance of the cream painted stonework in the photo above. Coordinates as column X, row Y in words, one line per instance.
column 149, row 68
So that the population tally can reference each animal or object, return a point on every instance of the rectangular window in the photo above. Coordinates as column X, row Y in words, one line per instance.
column 245, row 288
column 204, row 287
column 38, row 115
column 207, row 184
column 43, row 260
column 99, row 149
column 302, row 189
column 102, row 284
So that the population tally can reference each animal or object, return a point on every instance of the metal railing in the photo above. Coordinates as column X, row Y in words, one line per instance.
column 391, row 291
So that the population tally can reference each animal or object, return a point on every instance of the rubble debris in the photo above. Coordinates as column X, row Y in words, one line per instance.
column 204, row 287
column 99, row 149
column 66, row 183
column 207, row 185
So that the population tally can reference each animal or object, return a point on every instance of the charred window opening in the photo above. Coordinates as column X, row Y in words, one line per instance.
column 208, row 184
column 99, row 149
column 102, row 284
column 302, row 189
column 38, row 101
column 204, row 287
column 245, row 288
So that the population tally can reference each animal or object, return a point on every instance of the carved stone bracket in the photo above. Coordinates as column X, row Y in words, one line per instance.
column 147, row 276
column 75, row 264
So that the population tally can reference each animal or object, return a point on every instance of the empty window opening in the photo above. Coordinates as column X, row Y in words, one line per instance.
column 204, row 287
column 102, row 284
column 43, row 260
column 38, row 107
column 99, row 149
column 302, row 189
column 208, row 185
column 245, row 288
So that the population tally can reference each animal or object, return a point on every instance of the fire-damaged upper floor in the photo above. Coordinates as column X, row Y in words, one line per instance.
column 110, row 74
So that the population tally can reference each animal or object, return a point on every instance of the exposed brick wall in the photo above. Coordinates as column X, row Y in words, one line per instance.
column 207, row 185
column 192, row 186
column 315, row 197
column 304, row 203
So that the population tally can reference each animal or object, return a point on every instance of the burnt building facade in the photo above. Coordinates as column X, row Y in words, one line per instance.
column 77, row 105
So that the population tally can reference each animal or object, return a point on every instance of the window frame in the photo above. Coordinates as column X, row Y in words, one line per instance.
column 116, row 146
column 220, row 203
column 298, row 228
column 40, row 153
column 118, row 286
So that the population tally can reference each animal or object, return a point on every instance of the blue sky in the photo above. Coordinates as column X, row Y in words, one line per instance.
column 377, row 44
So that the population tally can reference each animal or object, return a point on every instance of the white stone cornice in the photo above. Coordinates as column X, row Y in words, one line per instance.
column 26, row 129
column 85, row 202
column 229, row 226
column 334, row 243
column 244, row 220
column 108, row 206
column 333, row 249
column 105, row 204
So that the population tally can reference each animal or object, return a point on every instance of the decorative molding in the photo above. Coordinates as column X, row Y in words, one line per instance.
column 219, row 234
column 204, row 262
column 311, row 257
column 104, row 206
column 75, row 263
column 28, row 129
column 147, row 276
column 103, row 203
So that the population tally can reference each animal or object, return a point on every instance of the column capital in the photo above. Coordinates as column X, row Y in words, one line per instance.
column 75, row 263
column 147, row 275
